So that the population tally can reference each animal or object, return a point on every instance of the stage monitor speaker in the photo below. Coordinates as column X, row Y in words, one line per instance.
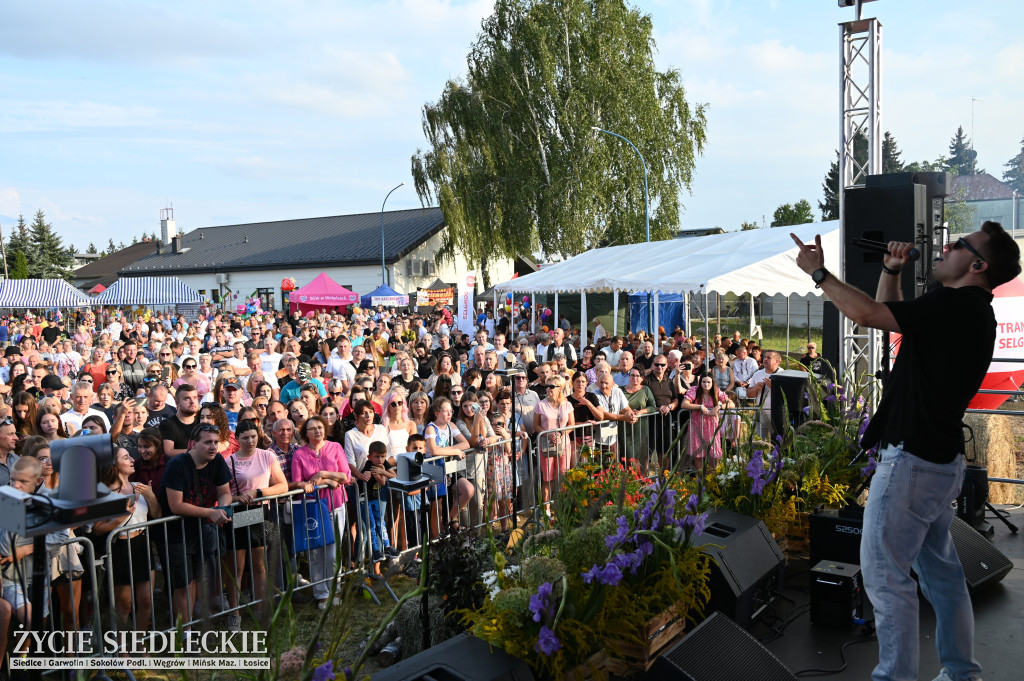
column 463, row 658
column 837, row 538
column 748, row 565
column 983, row 563
column 789, row 397
column 718, row 649
column 887, row 213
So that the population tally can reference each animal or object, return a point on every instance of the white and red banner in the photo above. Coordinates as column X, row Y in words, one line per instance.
column 1008, row 304
column 466, row 318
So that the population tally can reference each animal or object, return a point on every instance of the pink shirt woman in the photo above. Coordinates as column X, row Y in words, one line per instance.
column 320, row 454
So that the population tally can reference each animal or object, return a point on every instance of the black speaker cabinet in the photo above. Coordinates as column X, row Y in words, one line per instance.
column 718, row 650
column 837, row 594
column 836, row 537
column 789, row 397
column 748, row 565
column 463, row 658
column 888, row 213
column 983, row 563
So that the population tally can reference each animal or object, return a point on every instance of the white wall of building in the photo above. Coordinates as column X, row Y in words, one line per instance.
column 362, row 279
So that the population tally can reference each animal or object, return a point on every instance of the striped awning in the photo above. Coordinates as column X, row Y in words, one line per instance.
column 148, row 291
column 40, row 293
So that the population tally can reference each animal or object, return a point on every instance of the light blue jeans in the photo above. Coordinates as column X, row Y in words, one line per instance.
column 906, row 525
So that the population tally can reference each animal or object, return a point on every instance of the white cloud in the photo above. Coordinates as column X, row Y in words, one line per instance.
column 10, row 201
column 19, row 116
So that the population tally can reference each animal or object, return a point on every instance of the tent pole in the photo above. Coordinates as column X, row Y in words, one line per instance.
column 495, row 293
column 583, row 321
column 615, row 312
column 707, row 332
column 656, row 325
column 751, row 298
column 556, row 317
column 789, row 299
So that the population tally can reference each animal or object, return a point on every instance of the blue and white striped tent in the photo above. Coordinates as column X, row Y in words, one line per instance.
column 41, row 293
column 148, row 291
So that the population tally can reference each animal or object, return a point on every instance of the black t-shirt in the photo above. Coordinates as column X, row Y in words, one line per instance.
column 819, row 365
column 50, row 334
column 157, row 417
column 171, row 428
column 923, row 403
column 372, row 486
column 198, row 487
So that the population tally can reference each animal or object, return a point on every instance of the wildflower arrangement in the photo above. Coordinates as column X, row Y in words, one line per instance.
column 622, row 565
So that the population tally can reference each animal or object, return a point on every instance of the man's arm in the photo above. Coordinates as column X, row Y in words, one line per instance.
column 852, row 302
column 178, row 506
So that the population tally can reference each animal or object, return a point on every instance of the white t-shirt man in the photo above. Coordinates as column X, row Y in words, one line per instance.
column 341, row 369
column 269, row 362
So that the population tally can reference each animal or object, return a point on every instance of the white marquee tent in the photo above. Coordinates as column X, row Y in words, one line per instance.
column 755, row 261
column 149, row 291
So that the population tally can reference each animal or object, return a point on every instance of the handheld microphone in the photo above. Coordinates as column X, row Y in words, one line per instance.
column 879, row 247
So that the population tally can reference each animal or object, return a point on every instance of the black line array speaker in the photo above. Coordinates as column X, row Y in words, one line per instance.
column 462, row 658
column 887, row 213
column 836, row 536
column 789, row 397
column 718, row 649
column 748, row 565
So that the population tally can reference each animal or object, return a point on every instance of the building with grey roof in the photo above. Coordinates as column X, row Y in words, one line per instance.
column 228, row 263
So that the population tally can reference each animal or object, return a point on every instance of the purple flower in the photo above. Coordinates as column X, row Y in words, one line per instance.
column 645, row 546
column 540, row 602
column 695, row 523
column 670, row 498
column 691, row 504
column 870, row 467
column 547, row 642
column 806, row 410
column 830, row 398
column 863, row 427
column 757, row 485
column 609, row 575
column 613, row 540
column 324, row 672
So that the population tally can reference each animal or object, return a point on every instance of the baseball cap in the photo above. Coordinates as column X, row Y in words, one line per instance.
column 51, row 382
column 305, row 372
column 231, row 383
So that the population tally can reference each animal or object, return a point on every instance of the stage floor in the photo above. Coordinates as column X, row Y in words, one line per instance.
column 999, row 618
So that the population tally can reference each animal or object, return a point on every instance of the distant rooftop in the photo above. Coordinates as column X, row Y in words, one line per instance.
column 981, row 187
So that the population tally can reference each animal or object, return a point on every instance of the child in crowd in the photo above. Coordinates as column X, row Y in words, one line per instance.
column 381, row 471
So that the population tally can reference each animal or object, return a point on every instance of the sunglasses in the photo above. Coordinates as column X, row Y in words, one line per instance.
column 456, row 392
column 397, row 403
column 206, row 428
column 333, row 394
column 660, row 364
column 963, row 243
column 188, row 366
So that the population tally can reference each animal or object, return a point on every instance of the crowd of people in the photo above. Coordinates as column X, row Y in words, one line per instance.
column 217, row 414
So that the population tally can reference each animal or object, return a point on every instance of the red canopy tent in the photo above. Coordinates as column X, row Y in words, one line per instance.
column 323, row 293
column 97, row 289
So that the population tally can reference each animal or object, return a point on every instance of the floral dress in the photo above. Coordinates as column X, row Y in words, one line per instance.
column 705, row 435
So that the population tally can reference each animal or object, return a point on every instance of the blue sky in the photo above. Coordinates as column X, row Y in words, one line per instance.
column 237, row 112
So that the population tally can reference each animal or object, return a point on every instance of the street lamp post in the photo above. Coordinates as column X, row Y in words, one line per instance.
column 647, row 223
column 383, row 268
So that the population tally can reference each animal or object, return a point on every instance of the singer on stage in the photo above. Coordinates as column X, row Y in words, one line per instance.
column 918, row 430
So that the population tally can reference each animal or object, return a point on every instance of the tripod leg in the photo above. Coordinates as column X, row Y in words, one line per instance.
column 1002, row 516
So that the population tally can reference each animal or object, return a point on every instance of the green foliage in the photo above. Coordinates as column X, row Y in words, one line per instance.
column 829, row 205
column 963, row 160
column 891, row 161
column 91, row 248
column 747, row 226
column 796, row 214
column 111, row 248
column 51, row 259
column 458, row 560
column 511, row 156
column 20, row 268
column 958, row 213
column 1014, row 173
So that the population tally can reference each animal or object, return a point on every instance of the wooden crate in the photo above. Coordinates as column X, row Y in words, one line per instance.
column 798, row 537
column 594, row 669
column 661, row 631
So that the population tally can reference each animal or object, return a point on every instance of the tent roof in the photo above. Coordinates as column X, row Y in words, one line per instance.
column 760, row 260
column 323, row 291
column 31, row 293
column 149, row 291
column 98, row 288
column 381, row 291
column 438, row 285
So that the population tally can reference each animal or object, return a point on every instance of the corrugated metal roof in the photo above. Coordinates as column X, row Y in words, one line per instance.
column 337, row 240
column 982, row 187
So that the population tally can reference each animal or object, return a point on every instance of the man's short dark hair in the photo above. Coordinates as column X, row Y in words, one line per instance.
column 1002, row 254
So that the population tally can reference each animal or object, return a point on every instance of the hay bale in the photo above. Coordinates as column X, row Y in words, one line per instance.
column 995, row 445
